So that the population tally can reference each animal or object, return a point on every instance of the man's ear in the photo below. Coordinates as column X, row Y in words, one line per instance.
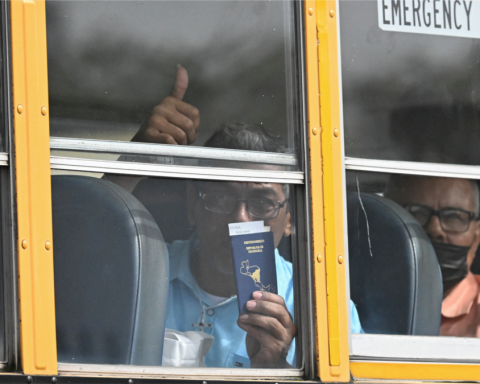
column 192, row 197
column 288, row 225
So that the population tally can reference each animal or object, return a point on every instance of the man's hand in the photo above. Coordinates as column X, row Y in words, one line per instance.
column 172, row 121
column 270, row 330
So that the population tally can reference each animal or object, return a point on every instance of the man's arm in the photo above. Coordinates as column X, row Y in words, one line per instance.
column 270, row 330
column 172, row 122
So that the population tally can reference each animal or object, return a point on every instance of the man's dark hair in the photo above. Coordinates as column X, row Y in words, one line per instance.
column 246, row 136
column 250, row 137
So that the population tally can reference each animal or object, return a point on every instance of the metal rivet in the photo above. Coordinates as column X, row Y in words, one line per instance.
column 20, row 108
column 24, row 244
column 130, row 381
column 336, row 132
column 332, row 13
column 48, row 245
column 44, row 111
column 54, row 380
column 204, row 382
column 340, row 259
column 315, row 131
column 29, row 379
column 319, row 258
column 310, row 11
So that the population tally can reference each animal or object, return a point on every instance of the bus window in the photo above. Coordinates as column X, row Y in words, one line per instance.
column 411, row 118
column 113, row 74
column 179, row 152
column 92, row 324
column 410, row 95
column 412, row 242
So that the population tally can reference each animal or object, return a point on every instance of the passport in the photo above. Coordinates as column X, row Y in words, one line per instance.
column 254, row 263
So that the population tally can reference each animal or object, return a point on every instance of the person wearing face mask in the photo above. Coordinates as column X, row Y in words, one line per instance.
column 448, row 210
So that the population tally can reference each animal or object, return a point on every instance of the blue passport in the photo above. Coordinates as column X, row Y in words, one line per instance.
column 254, row 263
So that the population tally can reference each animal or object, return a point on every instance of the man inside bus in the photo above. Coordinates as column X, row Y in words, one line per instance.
column 202, row 283
column 448, row 210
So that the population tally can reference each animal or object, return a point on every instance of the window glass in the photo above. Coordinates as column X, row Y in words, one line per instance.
column 113, row 68
column 411, row 96
column 413, row 242
column 119, row 239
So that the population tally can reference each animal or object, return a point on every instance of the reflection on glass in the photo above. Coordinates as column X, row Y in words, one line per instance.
column 427, row 240
column 202, row 293
column 408, row 96
column 110, row 63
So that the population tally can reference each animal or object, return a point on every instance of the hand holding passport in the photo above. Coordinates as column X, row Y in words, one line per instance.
column 263, row 313
column 253, row 253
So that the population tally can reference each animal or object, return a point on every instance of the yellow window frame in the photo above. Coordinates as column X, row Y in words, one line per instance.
column 323, row 74
column 32, row 168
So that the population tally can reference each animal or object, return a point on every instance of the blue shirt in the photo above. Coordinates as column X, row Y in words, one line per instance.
column 184, row 310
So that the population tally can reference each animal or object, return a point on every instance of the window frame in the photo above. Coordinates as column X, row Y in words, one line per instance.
column 38, row 352
column 421, row 368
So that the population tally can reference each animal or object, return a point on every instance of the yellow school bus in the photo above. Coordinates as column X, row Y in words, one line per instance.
column 112, row 235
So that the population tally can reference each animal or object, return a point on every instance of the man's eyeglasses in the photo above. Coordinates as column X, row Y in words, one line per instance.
column 259, row 207
column 453, row 220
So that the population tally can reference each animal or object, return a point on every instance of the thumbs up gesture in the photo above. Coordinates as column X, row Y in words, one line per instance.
column 172, row 121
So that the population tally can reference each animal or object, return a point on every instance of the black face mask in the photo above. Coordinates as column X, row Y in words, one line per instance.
column 453, row 263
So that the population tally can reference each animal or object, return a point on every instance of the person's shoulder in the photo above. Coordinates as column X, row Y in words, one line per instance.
column 284, row 279
column 283, row 266
column 178, row 247
column 178, row 253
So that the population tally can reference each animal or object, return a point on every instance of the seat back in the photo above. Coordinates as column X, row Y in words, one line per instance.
column 111, row 275
column 395, row 279
column 166, row 200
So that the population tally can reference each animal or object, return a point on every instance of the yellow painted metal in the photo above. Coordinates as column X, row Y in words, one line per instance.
column 327, row 191
column 333, row 188
column 415, row 371
column 32, row 167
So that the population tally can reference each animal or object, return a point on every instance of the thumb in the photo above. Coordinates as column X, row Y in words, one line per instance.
column 181, row 83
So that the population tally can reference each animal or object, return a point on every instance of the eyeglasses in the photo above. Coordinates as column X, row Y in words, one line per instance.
column 453, row 220
column 259, row 207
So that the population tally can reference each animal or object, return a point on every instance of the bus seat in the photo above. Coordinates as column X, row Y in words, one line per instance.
column 397, row 288
column 111, row 275
column 166, row 199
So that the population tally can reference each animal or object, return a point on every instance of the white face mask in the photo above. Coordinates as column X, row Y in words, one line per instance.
column 185, row 349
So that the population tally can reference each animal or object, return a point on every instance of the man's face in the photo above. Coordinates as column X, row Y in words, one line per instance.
column 212, row 227
column 437, row 193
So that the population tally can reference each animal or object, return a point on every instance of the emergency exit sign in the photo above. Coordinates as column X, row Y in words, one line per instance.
column 434, row 17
